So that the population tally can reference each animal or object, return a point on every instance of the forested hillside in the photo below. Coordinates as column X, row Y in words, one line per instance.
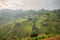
column 19, row 24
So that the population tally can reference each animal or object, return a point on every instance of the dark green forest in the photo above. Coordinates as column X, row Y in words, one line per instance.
column 19, row 24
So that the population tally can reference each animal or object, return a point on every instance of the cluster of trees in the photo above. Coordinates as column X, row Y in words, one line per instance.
column 18, row 24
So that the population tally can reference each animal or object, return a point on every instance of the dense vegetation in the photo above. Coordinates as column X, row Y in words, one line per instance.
column 18, row 24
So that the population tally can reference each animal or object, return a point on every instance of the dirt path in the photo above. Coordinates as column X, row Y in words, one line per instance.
column 53, row 38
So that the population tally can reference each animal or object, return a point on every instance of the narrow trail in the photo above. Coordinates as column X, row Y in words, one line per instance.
column 53, row 38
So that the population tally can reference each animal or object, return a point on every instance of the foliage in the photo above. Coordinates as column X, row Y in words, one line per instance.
column 18, row 24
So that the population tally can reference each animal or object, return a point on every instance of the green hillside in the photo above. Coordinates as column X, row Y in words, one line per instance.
column 25, row 23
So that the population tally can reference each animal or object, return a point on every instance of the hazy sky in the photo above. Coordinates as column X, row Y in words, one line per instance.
column 29, row 4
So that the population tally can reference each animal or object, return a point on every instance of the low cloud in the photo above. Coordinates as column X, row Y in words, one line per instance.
column 29, row 4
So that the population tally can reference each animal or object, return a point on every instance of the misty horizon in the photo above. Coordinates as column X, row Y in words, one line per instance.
column 30, row 4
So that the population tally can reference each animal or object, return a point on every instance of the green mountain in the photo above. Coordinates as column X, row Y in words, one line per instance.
column 17, row 24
